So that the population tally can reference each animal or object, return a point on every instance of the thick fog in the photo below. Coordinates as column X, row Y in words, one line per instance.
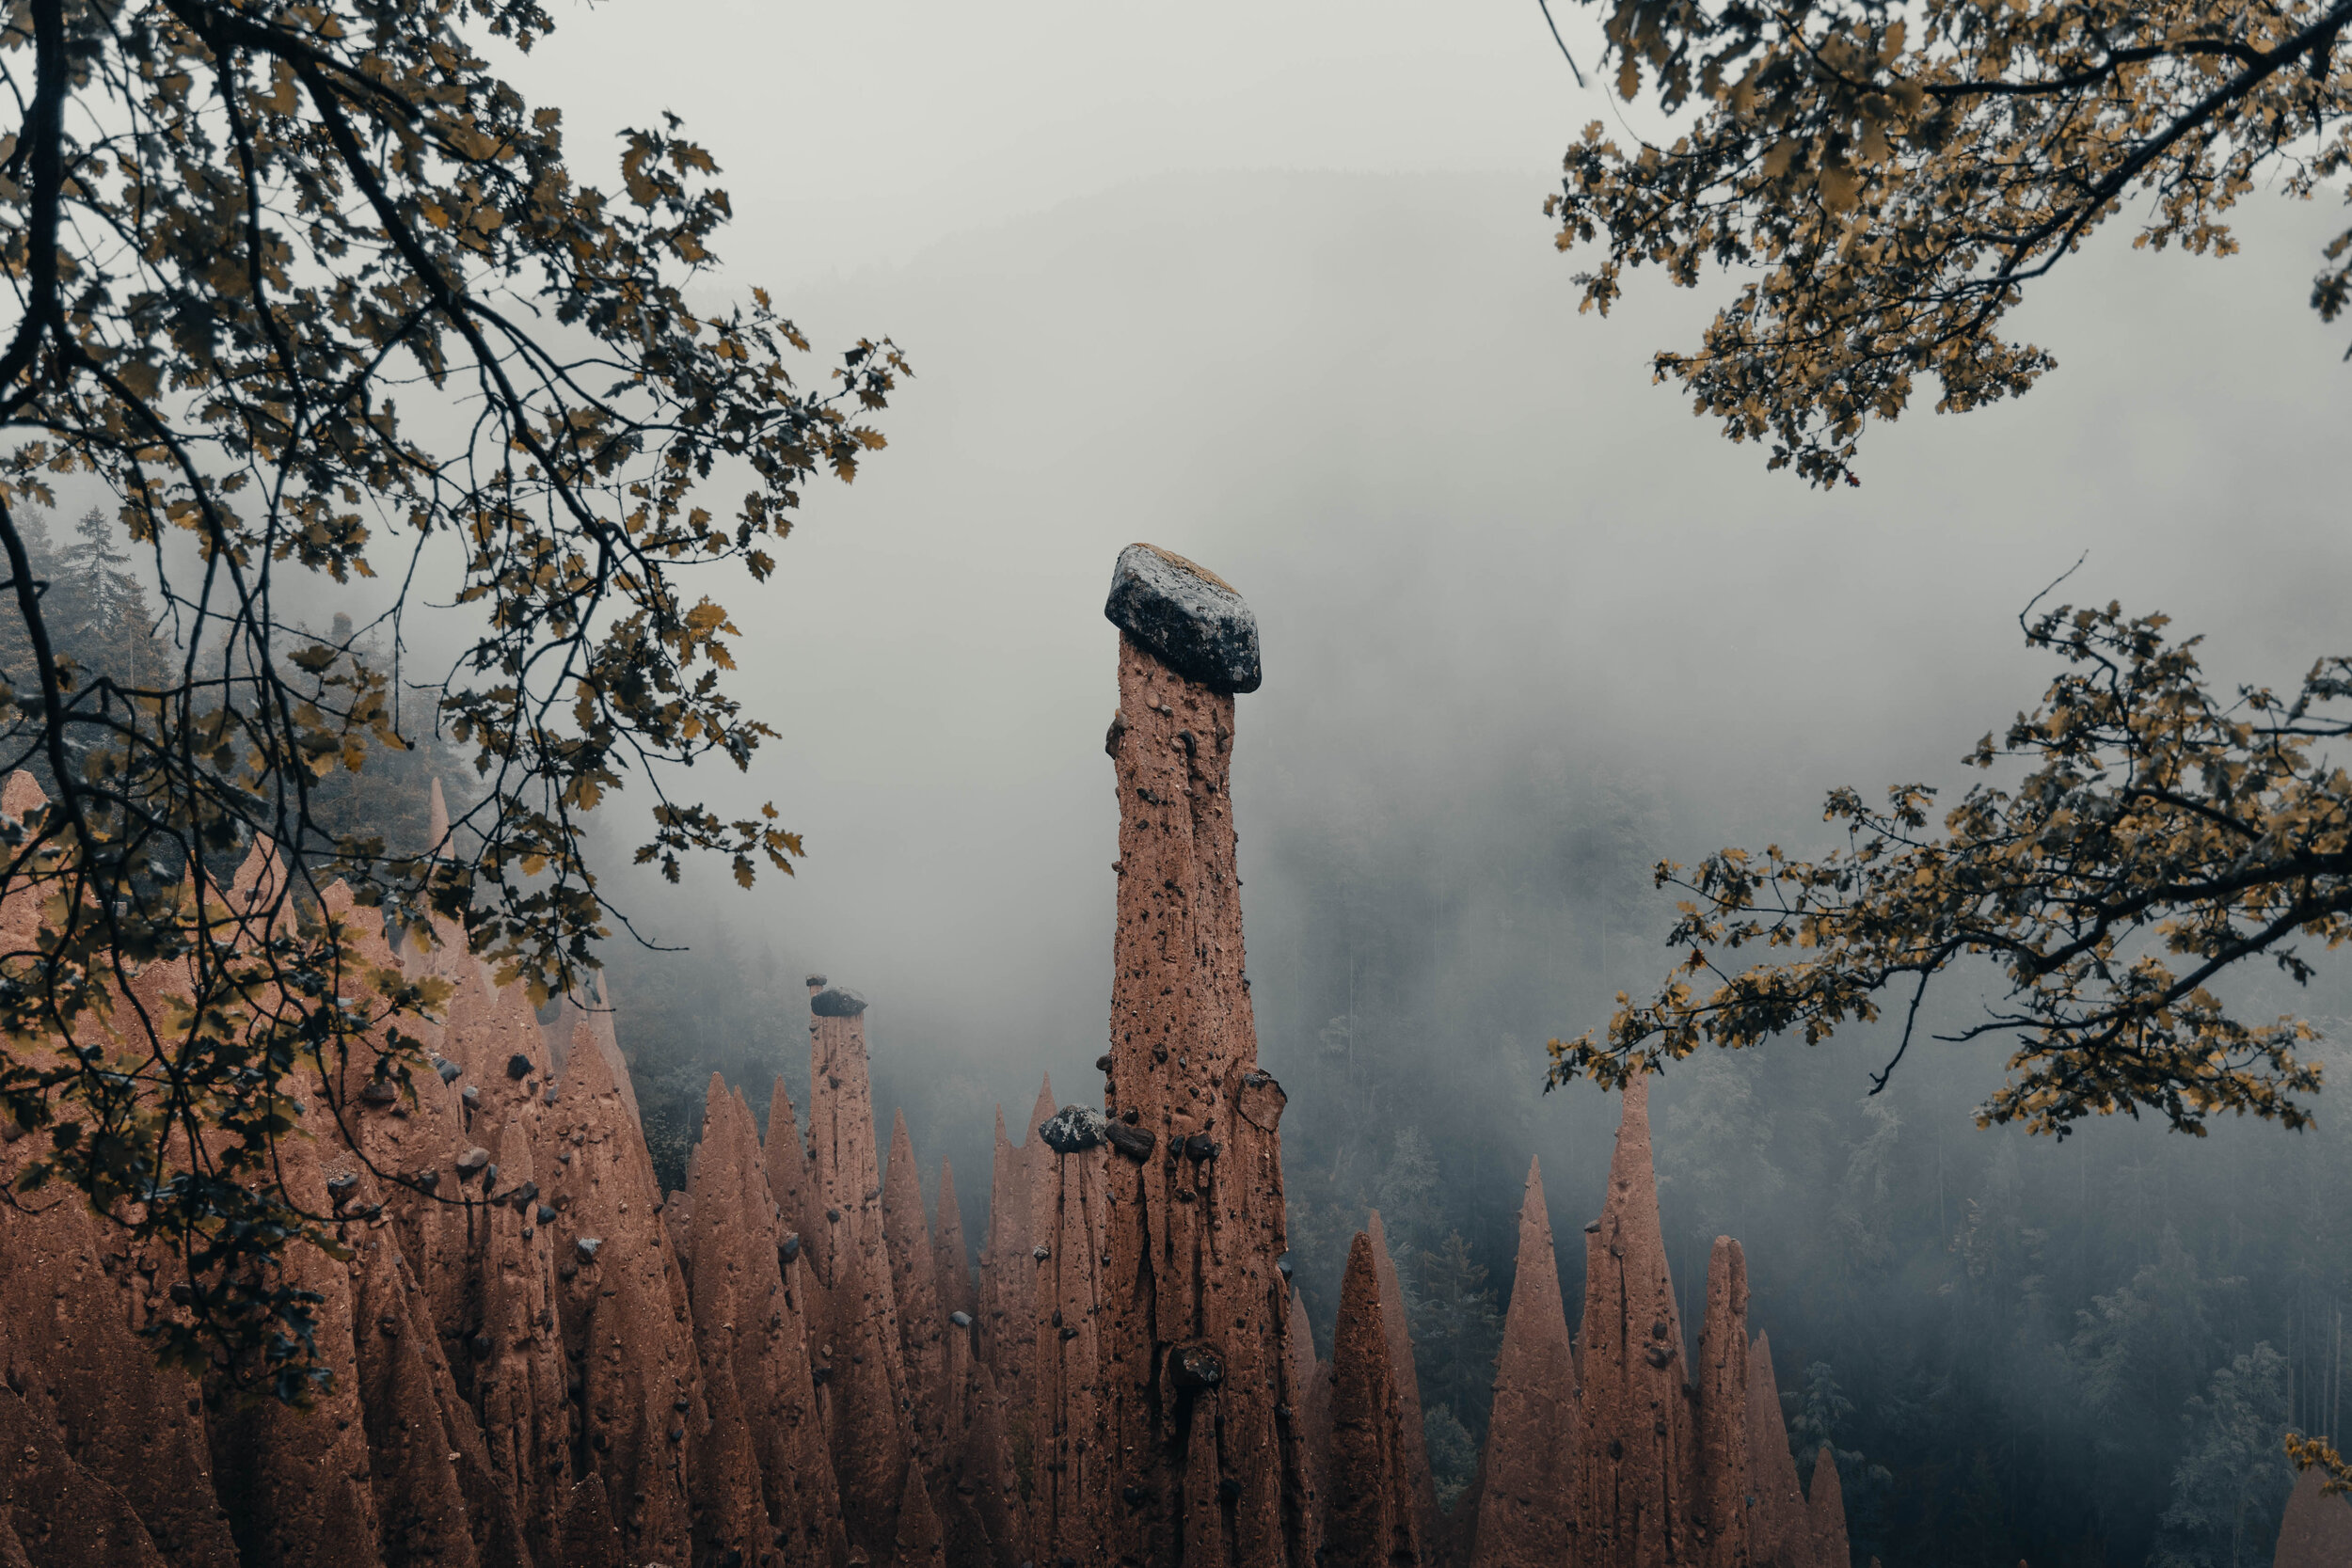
column 1275, row 291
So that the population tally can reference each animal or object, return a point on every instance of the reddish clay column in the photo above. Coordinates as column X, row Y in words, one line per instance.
column 1369, row 1522
column 1006, row 1290
column 787, row 1159
column 951, row 1264
column 751, row 1327
column 922, row 1322
column 1306, row 1392
column 983, row 1514
column 1825, row 1513
column 1639, row 1458
column 1722, row 1517
column 1527, row 1509
column 1414, row 1453
column 1193, row 1344
column 1780, row 1535
column 859, row 1349
column 624, row 1314
column 1067, row 1218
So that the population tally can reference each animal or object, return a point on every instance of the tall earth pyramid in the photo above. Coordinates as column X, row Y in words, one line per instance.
column 859, row 1350
column 1638, row 1458
column 1195, row 1320
column 1525, row 1512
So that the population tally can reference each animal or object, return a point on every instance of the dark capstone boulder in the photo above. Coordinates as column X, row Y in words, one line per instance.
column 836, row 1002
column 1072, row 1128
column 1185, row 616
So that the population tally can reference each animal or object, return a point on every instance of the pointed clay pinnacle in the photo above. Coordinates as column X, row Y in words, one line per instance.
column 1042, row 1113
column 1369, row 1509
column 1780, row 1532
column 951, row 1264
column 2316, row 1530
column 1526, row 1510
column 1727, row 1483
column 921, row 1544
column 1413, row 1454
column 1827, row 1509
column 1639, row 1465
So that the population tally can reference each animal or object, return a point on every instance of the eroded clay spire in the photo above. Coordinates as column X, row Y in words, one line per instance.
column 871, row 1444
column 1826, row 1512
column 1308, row 1392
column 1065, row 1221
column 1527, row 1511
column 951, row 1264
column 53, row 1509
column 1722, row 1513
column 1414, row 1454
column 1639, row 1460
column 1195, row 1317
column 1368, row 1516
column 918, row 1543
column 295, row 1482
column 69, row 1344
column 982, row 1510
column 1780, row 1533
column 1005, row 1290
column 751, row 1323
column 622, row 1308
column 787, row 1160
column 922, row 1322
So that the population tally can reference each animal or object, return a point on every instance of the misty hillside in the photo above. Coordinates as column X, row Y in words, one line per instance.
column 1528, row 630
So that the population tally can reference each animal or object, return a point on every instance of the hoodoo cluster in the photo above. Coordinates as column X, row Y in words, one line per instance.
column 541, row 1358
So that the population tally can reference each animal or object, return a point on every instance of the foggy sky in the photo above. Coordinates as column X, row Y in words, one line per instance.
column 1274, row 291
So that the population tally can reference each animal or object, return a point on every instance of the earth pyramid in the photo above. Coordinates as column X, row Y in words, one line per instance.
column 543, row 1360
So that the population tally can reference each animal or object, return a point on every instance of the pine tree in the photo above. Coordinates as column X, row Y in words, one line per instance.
column 1457, row 1329
column 2231, row 1484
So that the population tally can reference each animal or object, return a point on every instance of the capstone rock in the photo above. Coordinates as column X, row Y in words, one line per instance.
column 1186, row 617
